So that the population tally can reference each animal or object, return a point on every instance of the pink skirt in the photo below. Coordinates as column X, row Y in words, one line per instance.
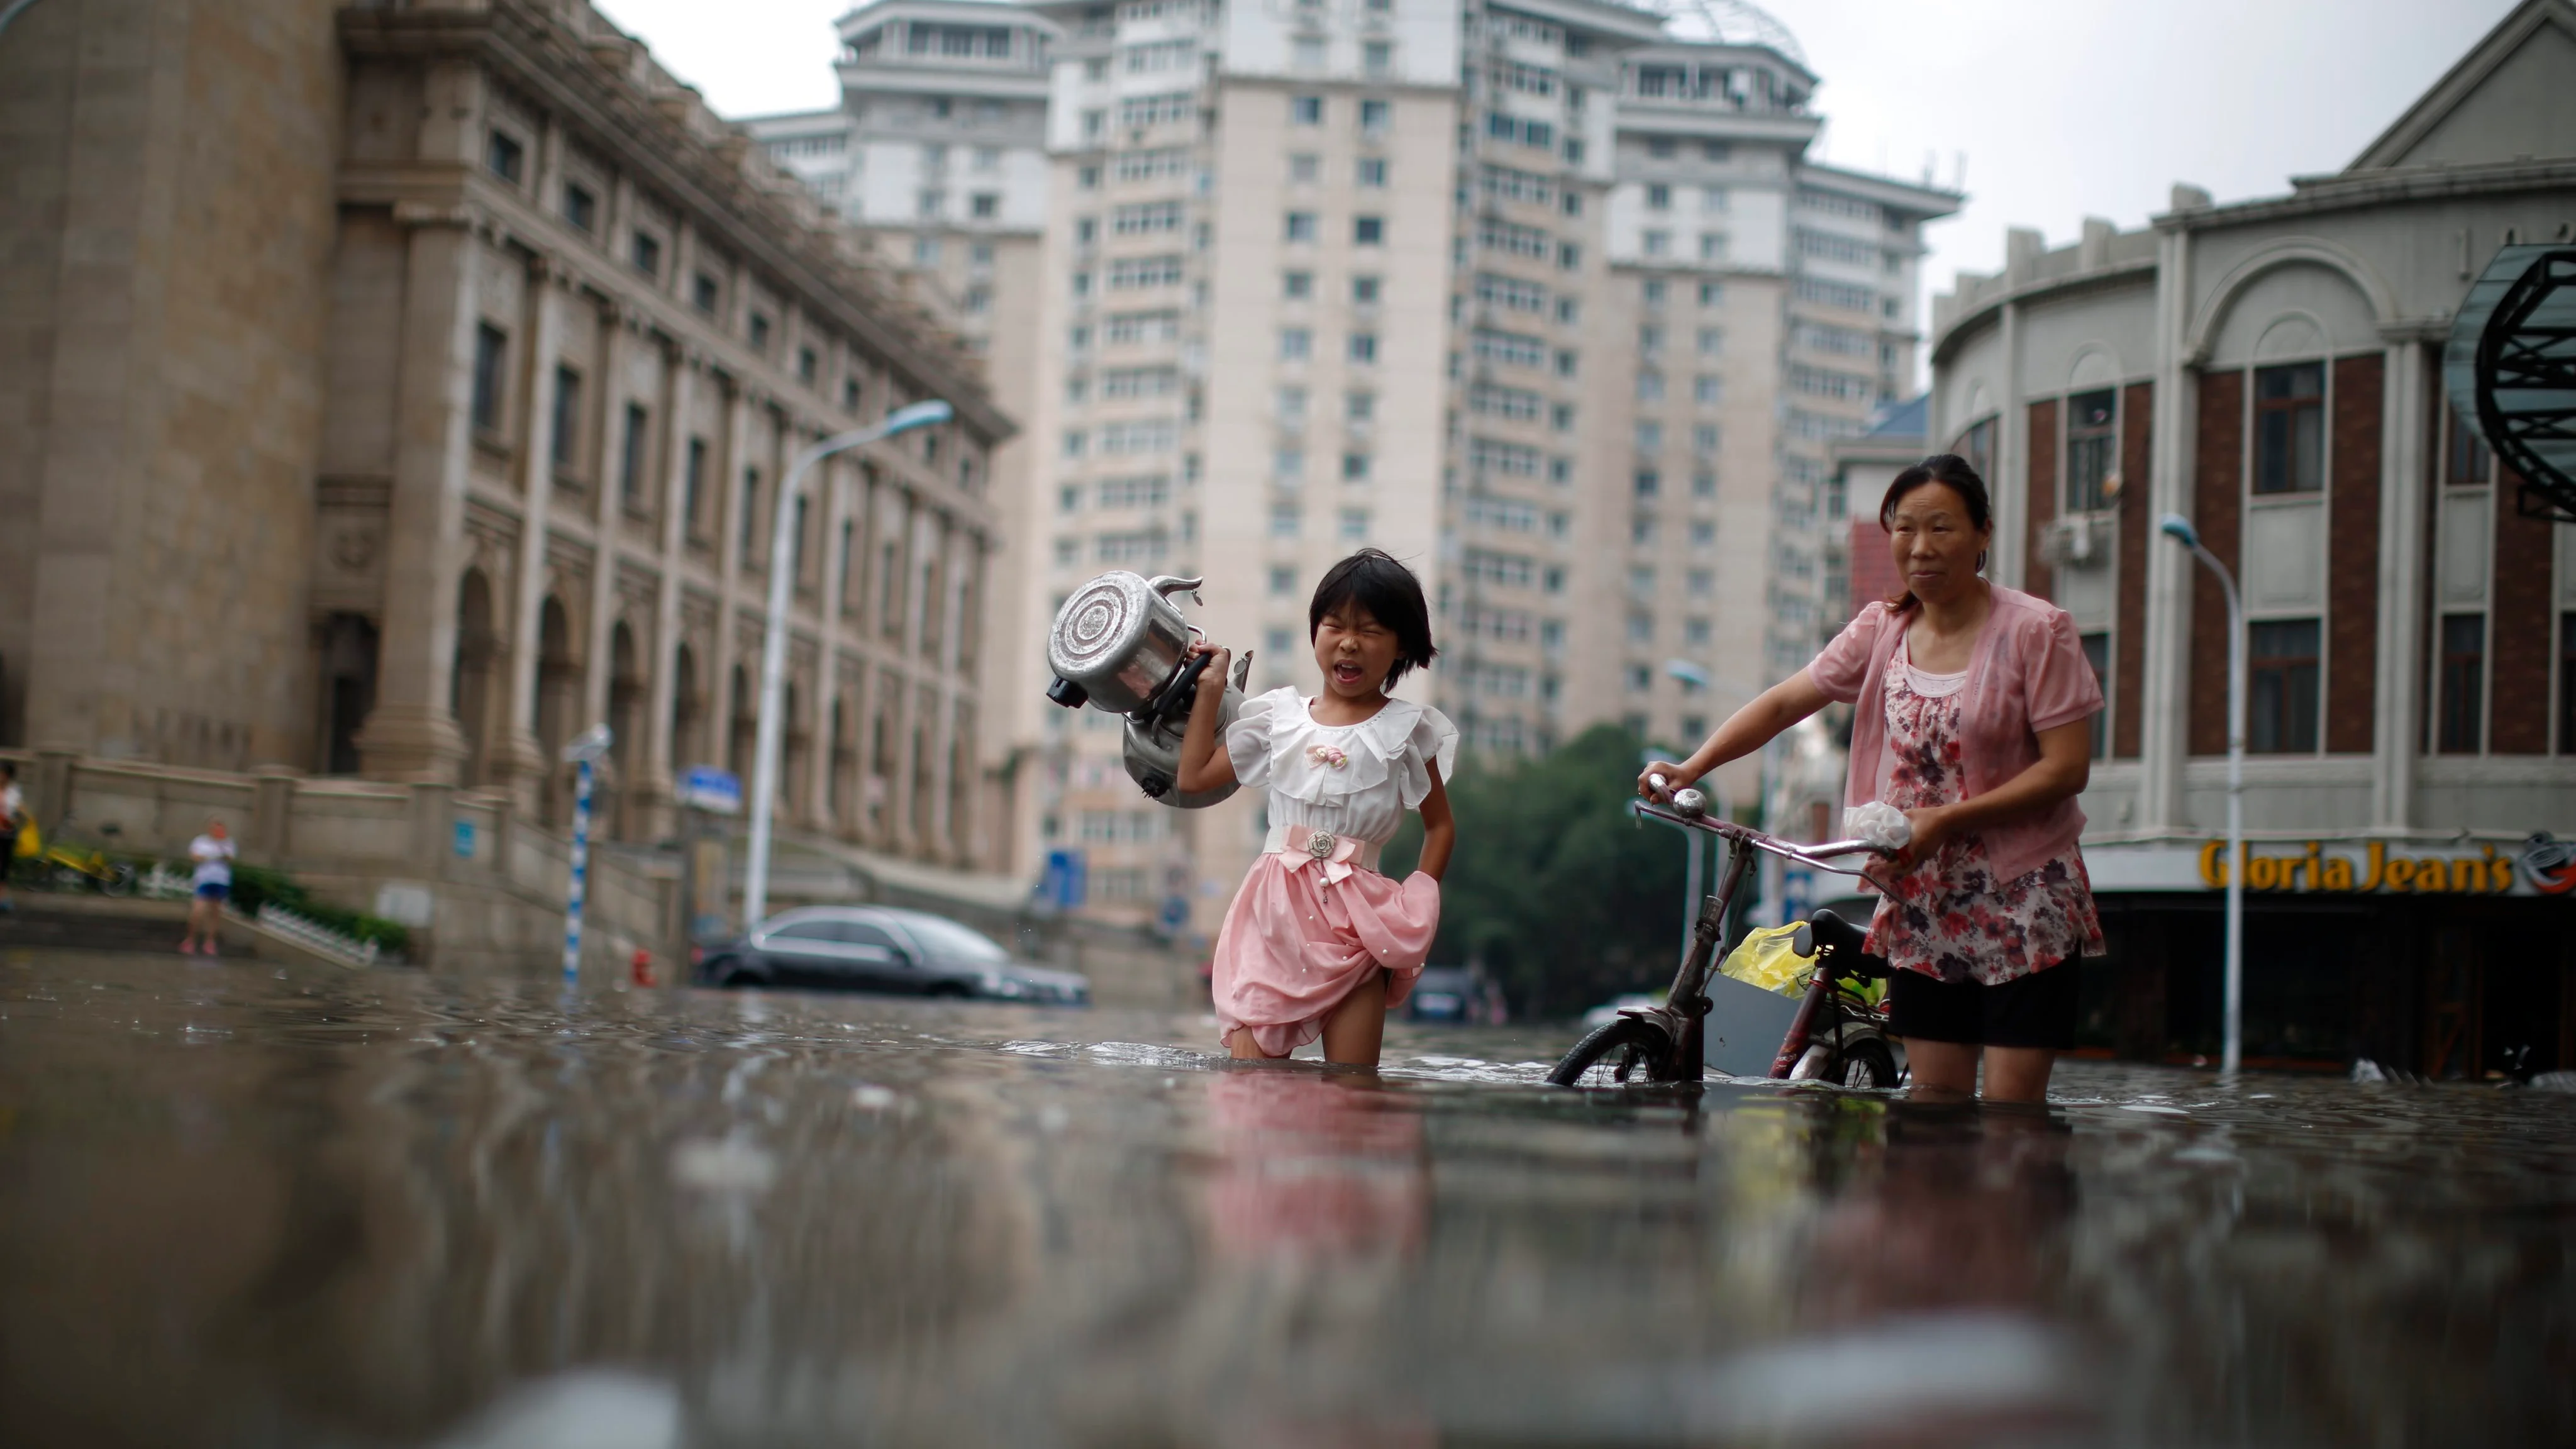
column 1293, row 947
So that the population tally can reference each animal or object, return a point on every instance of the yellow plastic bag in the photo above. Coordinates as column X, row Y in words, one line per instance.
column 30, row 844
column 1767, row 957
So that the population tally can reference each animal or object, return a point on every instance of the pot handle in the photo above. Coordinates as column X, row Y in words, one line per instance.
column 1170, row 584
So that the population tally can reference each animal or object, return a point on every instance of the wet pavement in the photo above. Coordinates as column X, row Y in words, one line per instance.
column 240, row 1205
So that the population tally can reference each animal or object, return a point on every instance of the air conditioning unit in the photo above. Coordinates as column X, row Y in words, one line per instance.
column 2078, row 541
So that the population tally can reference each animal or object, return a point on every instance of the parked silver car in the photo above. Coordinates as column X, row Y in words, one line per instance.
column 883, row 948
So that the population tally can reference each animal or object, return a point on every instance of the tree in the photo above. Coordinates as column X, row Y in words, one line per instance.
column 1556, row 888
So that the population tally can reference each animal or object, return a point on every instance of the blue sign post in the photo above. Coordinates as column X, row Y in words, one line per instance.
column 1066, row 880
column 583, row 752
column 718, row 792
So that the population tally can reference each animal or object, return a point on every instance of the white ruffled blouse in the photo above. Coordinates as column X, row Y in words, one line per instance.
column 1384, row 770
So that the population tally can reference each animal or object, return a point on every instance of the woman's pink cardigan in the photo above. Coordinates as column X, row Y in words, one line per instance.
column 2026, row 674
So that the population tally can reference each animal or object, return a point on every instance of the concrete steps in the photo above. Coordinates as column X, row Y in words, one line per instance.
column 79, row 922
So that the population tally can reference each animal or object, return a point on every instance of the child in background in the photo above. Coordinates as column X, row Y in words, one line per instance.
column 213, row 853
column 1318, row 943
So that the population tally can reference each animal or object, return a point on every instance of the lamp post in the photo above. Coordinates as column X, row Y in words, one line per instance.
column 773, row 654
column 2179, row 529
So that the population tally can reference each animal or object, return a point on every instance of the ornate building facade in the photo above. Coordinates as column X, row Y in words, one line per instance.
column 2270, row 370
column 438, row 408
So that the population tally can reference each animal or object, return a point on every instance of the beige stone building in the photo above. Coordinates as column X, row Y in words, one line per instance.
column 400, row 389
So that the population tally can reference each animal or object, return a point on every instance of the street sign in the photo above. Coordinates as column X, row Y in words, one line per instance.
column 1175, row 913
column 704, row 787
column 465, row 839
column 1063, row 884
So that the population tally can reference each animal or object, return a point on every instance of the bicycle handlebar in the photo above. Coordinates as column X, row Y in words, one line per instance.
column 1811, row 855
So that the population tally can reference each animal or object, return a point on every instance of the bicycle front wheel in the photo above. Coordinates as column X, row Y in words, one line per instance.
column 1627, row 1052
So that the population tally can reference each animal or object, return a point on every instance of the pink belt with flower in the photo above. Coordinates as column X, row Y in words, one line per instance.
column 1300, row 846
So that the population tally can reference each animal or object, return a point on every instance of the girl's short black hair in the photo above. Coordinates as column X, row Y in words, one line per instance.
column 1374, row 581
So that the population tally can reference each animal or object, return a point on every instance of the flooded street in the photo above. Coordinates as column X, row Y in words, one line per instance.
column 242, row 1205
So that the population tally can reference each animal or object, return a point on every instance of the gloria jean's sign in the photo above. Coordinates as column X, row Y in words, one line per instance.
column 2541, row 866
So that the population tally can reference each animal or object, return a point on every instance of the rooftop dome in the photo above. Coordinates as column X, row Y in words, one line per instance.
column 1727, row 22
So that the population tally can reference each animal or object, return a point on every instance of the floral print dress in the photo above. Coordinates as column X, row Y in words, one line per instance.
column 1948, row 917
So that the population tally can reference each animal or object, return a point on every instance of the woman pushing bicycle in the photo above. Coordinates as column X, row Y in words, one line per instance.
column 1973, row 704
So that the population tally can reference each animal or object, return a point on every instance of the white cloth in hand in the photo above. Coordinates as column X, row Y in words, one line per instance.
column 1879, row 823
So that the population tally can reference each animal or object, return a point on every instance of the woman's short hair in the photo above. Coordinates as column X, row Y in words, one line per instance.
column 1388, row 591
column 1952, row 472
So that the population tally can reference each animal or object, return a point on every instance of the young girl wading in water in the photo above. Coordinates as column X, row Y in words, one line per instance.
column 1317, row 942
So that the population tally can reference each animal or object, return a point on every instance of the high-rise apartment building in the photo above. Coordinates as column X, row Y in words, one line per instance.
column 1543, row 298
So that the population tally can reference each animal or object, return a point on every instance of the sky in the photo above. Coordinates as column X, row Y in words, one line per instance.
column 2057, row 109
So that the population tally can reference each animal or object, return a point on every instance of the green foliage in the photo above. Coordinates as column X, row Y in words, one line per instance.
column 255, row 885
column 1563, row 895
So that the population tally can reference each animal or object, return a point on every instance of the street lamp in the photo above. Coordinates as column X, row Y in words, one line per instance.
column 773, row 654
column 2179, row 529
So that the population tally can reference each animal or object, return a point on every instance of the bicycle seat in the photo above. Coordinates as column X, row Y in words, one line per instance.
column 1842, row 940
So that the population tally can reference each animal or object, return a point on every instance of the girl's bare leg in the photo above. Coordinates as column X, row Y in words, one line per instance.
column 1245, row 1049
column 1357, row 1027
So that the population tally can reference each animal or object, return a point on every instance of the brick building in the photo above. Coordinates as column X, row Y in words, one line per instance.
column 2270, row 369
column 397, row 389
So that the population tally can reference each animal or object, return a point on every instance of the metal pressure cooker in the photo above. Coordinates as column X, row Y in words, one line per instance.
column 1121, row 646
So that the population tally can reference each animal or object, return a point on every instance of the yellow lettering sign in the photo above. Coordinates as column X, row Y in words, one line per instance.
column 2310, row 868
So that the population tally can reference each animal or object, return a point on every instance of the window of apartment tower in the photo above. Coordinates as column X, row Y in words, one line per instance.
column 2290, row 428
column 2092, row 449
column 645, row 251
column 1305, row 110
column 580, row 207
column 2467, row 461
column 2097, row 654
column 760, row 332
column 2462, row 707
column 1376, row 57
column 750, row 514
column 705, row 293
column 2281, row 687
column 1374, row 116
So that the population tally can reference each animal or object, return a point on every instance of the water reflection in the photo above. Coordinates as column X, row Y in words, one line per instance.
column 237, row 1205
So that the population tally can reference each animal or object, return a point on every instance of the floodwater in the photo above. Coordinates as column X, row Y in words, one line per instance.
column 240, row 1205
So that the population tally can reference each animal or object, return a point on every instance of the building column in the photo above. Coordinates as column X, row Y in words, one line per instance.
column 623, row 327
column 740, row 411
column 2399, row 698
column 2164, row 720
column 411, row 734
column 654, row 790
column 2009, row 489
column 518, row 765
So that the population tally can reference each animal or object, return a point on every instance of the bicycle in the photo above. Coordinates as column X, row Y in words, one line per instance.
column 69, row 867
column 1836, row 1036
